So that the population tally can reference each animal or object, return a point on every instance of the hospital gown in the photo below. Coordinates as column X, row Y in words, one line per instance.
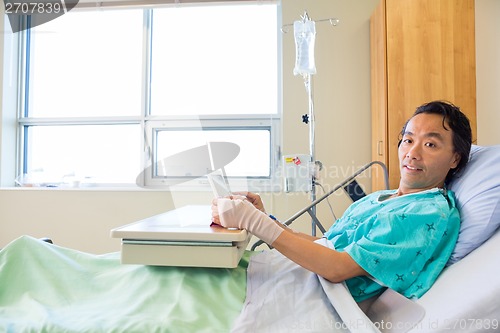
column 403, row 242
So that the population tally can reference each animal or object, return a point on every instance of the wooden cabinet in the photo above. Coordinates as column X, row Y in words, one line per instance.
column 421, row 50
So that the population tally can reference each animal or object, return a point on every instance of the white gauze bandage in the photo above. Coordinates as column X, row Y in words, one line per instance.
column 242, row 214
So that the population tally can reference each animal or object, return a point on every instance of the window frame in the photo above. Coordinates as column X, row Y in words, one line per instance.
column 255, row 184
column 19, row 45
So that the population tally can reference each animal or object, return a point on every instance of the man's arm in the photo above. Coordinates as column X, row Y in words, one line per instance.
column 332, row 265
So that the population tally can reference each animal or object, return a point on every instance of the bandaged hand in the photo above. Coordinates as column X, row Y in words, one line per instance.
column 254, row 198
column 241, row 214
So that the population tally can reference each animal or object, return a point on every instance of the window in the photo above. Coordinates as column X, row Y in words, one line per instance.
column 104, row 96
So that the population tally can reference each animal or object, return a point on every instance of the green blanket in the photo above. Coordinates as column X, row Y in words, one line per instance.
column 47, row 288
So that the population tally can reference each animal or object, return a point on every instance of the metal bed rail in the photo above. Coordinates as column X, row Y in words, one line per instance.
column 309, row 208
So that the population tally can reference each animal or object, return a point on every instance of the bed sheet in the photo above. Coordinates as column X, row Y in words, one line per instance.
column 46, row 288
column 287, row 298
column 465, row 297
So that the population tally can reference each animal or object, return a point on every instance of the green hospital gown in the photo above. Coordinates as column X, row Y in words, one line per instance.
column 404, row 242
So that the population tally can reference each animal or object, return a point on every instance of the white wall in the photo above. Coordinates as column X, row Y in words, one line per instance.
column 488, row 71
column 82, row 219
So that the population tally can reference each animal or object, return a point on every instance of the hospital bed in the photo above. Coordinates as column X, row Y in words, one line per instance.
column 465, row 298
column 47, row 288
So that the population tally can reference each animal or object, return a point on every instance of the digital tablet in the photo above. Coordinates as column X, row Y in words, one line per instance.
column 219, row 184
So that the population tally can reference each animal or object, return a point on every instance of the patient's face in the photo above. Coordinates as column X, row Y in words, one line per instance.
column 426, row 153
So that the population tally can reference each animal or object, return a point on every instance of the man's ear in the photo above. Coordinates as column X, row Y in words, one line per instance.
column 456, row 160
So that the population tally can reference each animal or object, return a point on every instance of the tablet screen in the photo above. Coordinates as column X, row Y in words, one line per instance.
column 218, row 184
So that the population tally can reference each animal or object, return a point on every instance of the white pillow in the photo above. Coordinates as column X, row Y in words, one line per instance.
column 477, row 190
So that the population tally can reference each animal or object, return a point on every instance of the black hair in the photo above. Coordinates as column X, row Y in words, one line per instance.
column 459, row 125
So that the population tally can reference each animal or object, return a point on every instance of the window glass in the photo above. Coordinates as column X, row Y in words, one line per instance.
column 86, row 153
column 215, row 60
column 85, row 64
column 252, row 161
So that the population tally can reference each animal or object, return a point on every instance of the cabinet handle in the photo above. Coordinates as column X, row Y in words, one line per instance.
column 380, row 148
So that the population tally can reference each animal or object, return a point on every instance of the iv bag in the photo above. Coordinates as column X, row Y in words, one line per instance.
column 305, row 35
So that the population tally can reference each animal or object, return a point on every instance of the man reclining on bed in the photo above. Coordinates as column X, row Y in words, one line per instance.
column 402, row 238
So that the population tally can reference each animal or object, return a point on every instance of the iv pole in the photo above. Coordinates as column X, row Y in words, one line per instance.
column 311, row 121
column 309, row 118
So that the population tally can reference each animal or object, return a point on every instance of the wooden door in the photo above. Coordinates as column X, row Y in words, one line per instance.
column 430, row 55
